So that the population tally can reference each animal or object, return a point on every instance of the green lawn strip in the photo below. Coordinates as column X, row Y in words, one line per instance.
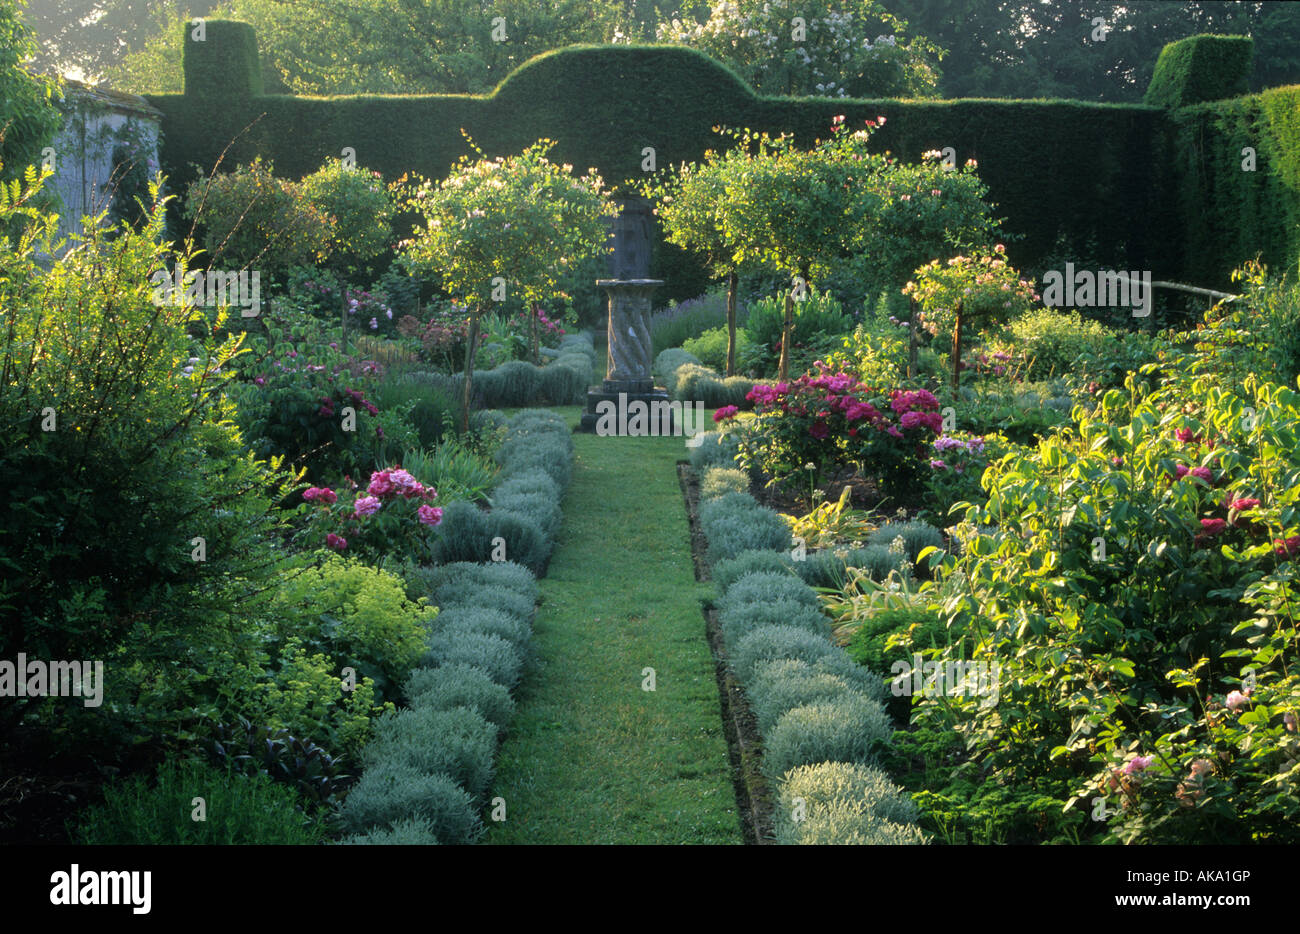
column 591, row 757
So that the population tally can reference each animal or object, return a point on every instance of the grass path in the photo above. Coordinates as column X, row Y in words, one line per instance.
column 591, row 757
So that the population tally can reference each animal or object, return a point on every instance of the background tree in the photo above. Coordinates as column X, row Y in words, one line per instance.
column 837, row 48
column 28, row 119
column 496, row 226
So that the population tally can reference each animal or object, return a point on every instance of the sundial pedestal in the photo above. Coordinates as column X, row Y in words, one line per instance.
column 630, row 356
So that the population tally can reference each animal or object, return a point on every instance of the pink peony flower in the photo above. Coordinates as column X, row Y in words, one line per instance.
column 1202, row 473
column 404, row 483
column 429, row 515
column 1185, row 435
column 727, row 411
column 1180, row 471
column 337, row 542
column 937, row 464
column 1286, row 547
column 1241, row 505
column 893, row 431
column 381, row 483
column 365, row 506
column 1213, row 526
column 1235, row 699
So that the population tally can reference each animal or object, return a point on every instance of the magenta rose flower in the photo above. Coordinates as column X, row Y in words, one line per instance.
column 429, row 515
column 365, row 506
column 337, row 542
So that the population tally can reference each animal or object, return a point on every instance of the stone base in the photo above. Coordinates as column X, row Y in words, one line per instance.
column 652, row 400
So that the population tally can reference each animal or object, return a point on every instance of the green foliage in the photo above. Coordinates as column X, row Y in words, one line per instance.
column 718, row 481
column 103, row 514
column 494, row 655
column 738, row 621
column 760, row 588
column 458, row 743
column 819, row 321
column 239, row 810
column 916, row 536
column 918, row 628
column 454, row 468
column 1259, row 334
column 761, row 561
column 714, row 450
column 694, row 383
column 408, row 831
column 770, row 643
column 1052, row 341
column 507, row 574
column 735, row 522
column 252, row 219
column 28, row 118
column 841, row 803
column 668, row 362
column 711, row 347
column 481, row 619
column 454, row 686
column 224, row 65
column 362, row 208
column 1199, row 69
column 465, row 534
column 673, row 326
column 847, row 728
column 778, row 688
column 829, row 567
column 392, row 791
column 836, row 664
column 541, row 509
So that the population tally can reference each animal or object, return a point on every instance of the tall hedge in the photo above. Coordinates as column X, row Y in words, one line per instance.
column 1199, row 69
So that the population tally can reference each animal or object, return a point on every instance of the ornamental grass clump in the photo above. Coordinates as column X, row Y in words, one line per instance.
column 392, row 791
column 849, row 728
column 454, row 686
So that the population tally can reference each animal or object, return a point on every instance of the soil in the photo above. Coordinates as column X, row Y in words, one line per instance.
column 754, row 799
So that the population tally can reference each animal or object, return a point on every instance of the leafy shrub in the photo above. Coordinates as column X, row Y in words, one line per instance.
column 818, row 316
column 844, row 803
column 430, row 408
column 465, row 594
column 846, row 729
column 460, row 686
column 774, row 691
column 393, row 791
column 454, row 468
column 921, row 628
column 768, row 588
column 711, row 347
column 1053, row 340
column 714, row 450
column 480, row 619
column 252, row 220
column 458, row 742
column 239, row 809
column 533, row 481
column 721, row 480
column 539, row 508
column 357, row 615
column 916, row 536
column 508, row 574
column 410, row 831
column 565, row 379
column 727, row 572
column 524, row 540
column 740, row 620
column 547, row 450
column 839, row 665
column 668, row 362
column 362, row 208
column 700, row 384
column 494, row 655
column 768, row 643
column 735, row 522
column 465, row 534
column 259, row 749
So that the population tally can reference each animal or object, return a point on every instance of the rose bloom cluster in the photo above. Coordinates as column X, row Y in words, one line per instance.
column 386, row 486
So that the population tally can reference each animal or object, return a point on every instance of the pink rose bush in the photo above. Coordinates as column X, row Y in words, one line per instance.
column 830, row 419
column 392, row 513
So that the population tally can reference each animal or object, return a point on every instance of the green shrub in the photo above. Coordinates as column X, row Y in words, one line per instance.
column 768, row 643
column 487, row 420
column 828, row 568
column 508, row 574
column 916, row 537
column 1200, row 68
column 460, row 594
column 775, row 691
column 465, row 534
column 739, row 621
column 714, row 450
column 847, row 729
column 844, row 803
column 865, row 682
column 768, row 588
column 721, row 480
column 431, row 409
column 668, row 362
column 548, row 451
column 711, row 347
column 735, row 522
column 817, row 318
column 458, row 742
column 239, row 809
column 357, row 615
column 867, row 646
column 524, row 540
column 392, row 791
column 535, row 480
column 727, row 572
column 672, row 327
column 460, row 686
column 410, row 831
column 564, row 380
column 695, row 383
column 493, row 654
column 362, row 208
column 1052, row 340
column 452, row 468
column 539, row 508
column 514, row 630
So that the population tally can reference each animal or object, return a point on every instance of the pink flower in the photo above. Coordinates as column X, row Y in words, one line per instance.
column 1202, row 473
column 337, row 542
column 893, row 432
column 1201, row 767
column 727, row 411
column 381, row 483
column 1241, row 505
column 937, row 464
column 404, row 483
column 1137, row 764
column 1180, row 471
column 1286, row 547
column 1213, row 526
column 259, row 381
column 365, row 506
column 1235, row 699
column 935, row 192
column 429, row 515
column 819, row 430
column 1185, row 435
